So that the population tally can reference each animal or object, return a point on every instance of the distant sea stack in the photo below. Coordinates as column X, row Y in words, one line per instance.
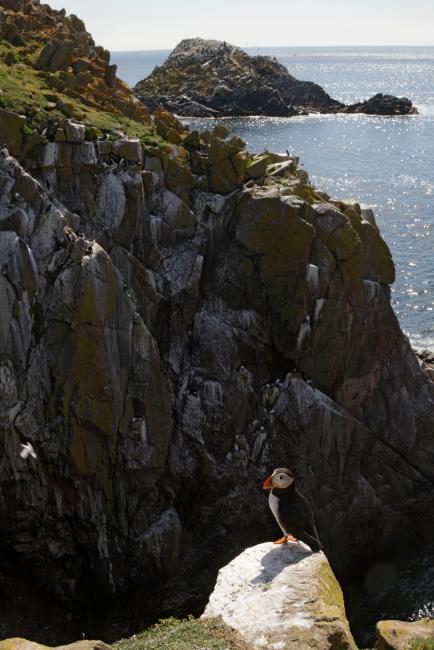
column 208, row 78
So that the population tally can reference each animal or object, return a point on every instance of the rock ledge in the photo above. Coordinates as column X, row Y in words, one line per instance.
column 396, row 635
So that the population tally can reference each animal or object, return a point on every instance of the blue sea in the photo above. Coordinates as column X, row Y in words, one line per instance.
column 386, row 162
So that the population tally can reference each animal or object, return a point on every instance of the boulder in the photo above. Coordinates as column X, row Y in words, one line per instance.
column 179, row 179
column 192, row 140
column 130, row 150
column 165, row 121
column 282, row 598
column 23, row 644
column 227, row 161
column 55, row 55
column 67, row 108
column 11, row 130
column 258, row 167
column 176, row 212
column 221, row 131
column 27, row 187
column 221, row 149
column 379, row 265
column 397, row 635
column 75, row 133
column 281, row 168
column 110, row 75
column 223, row 178
column 104, row 147
column 80, row 65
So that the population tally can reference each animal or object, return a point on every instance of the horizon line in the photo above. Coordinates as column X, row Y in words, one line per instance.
column 160, row 49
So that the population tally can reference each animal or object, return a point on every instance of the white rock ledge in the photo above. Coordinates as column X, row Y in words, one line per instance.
column 282, row 598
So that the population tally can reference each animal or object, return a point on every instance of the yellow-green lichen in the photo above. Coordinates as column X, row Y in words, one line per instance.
column 331, row 608
column 18, row 643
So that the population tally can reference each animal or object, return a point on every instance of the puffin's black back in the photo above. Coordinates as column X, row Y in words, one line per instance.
column 294, row 515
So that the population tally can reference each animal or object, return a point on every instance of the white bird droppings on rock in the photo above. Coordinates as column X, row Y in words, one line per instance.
column 280, row 598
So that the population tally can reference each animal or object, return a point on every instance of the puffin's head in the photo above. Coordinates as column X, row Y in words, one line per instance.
column 280, row 478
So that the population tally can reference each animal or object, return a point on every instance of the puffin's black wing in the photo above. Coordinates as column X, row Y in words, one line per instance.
column 297, row 515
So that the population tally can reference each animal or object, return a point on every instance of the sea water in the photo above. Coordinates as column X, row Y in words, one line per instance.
column 386, row 162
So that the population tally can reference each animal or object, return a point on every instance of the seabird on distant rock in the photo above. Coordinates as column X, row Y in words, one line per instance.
column 27, row 450
column 291, row 510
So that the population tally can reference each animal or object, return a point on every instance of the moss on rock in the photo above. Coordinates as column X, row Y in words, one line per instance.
column 405, row 635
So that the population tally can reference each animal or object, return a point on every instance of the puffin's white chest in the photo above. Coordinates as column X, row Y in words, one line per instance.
column 273, row 502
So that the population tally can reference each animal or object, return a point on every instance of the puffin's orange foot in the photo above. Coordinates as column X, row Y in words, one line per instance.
column 282, row 540
column 291, row 538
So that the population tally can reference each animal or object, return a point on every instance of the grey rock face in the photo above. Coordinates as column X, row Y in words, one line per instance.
column 161, row 354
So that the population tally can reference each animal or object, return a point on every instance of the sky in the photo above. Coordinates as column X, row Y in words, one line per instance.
column 161, row 24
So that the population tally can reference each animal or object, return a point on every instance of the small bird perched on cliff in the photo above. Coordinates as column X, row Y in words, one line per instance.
column 27, row 450
column 291, row 509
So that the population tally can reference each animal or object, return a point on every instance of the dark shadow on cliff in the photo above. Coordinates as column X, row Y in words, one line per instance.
column 395, row 585
column 272, row 564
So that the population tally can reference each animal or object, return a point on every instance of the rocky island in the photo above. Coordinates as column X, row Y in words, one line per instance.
column 207, row 78
column 178, row 316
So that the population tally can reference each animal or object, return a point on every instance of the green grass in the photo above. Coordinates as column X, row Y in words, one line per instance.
column 23, row 91
column 421, row 644
column 187, row 634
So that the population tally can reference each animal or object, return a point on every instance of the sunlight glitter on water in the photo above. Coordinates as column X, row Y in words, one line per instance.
column 386, row 162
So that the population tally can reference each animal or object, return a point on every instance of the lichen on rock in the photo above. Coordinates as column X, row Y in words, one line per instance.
column 403, row 635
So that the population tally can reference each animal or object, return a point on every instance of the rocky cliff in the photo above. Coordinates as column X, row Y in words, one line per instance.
column 63, row 56
column 178, row 317
column 208, row 78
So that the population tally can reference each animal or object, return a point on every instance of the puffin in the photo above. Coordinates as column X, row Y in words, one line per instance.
column 291, row 510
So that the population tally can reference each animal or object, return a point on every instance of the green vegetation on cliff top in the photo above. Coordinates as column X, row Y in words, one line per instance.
column 188, row 634
column 24, row 91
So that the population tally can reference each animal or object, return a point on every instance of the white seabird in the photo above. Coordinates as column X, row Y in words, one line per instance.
column 27, row 450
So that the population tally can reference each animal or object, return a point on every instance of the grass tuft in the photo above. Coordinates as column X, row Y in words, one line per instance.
column 186, row 634
column 420, row 644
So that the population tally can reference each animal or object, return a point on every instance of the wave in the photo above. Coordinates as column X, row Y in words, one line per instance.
column 420, row 342
column 427, row 110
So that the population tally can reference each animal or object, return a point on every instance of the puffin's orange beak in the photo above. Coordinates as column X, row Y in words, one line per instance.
column 266, row 485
